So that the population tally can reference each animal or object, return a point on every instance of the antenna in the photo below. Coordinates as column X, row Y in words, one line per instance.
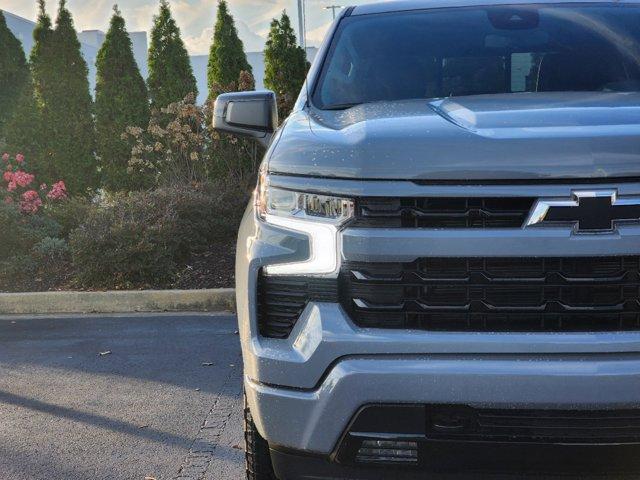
column 333, row 9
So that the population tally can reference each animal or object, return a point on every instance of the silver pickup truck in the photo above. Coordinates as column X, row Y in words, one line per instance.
column 440, row 269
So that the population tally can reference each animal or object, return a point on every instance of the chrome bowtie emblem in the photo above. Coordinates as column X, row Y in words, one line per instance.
column 588, row 211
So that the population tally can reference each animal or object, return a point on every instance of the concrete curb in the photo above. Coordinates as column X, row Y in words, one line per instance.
column 216, row 300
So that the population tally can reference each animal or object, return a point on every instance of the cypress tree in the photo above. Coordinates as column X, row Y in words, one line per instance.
column 14, row 72
column 285, row 64
column 31, row 129
column 229, row 70
column 23, row 132
column 68, row 109
column 42, row 56
column 171, row 77
column 121, row 101
column 227, row 59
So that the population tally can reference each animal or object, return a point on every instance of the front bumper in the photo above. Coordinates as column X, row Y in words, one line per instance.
column 314, row 420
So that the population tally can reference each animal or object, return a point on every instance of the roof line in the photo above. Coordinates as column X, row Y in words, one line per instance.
column 409, row 5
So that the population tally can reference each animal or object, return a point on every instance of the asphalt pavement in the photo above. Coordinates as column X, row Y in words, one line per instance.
column 120, row 397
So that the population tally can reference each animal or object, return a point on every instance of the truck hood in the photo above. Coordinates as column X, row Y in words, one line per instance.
column 487, row 137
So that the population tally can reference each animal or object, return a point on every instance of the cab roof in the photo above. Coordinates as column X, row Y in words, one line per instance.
column 407, row 5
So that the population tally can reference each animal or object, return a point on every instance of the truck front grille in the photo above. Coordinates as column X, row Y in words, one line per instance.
column 423, row 212
column 496, row 294
column 579, row 426
column 281, row 301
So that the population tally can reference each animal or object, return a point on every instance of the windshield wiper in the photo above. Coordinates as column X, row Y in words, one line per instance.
column 342, row 106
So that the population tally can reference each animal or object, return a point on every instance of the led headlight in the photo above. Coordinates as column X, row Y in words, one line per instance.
column 317, row 216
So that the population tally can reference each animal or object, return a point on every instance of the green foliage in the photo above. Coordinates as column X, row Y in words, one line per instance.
column 143, row 237
column 50, row 251
column 15, row 236
column 171, row 77
column 69, row 214
column 14, row 73
column 285, row 64
column 121, row 101
column 60, row 77
column 34, row 255
column 70, row 114
column 19, row 236
column 23, row 129
column 130, row 235
column 207, row 214
column 37, row 103
column 43, row 45
column 227, row 59
column 17, row 270
column 41, row 226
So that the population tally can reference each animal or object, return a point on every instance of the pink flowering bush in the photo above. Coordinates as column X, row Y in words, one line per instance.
column 18, row 186
column 30, row 202
column 34, row 250
column 58, row 191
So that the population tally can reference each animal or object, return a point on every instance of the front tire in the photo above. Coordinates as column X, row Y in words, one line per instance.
column 258, row 457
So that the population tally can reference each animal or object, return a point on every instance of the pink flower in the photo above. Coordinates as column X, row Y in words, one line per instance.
column 30, row 202
column 30, row 195
column 20, row 158
column 12, row 186
column 23, row 179
column 8, row 200
column 7, row 176
column 9, row 168
column 58, row 191
column 5, row 157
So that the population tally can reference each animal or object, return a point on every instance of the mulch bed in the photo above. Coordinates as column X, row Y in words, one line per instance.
column 212, row 269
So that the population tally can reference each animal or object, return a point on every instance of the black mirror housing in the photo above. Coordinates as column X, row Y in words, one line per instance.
column 247, row 114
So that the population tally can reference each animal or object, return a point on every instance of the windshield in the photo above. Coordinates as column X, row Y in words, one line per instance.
column 483, row 50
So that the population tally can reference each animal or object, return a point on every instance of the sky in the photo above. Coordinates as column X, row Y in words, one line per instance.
column 195, row 17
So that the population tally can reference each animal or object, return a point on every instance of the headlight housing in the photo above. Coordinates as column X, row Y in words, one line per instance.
column 317, row 216
column 301, row 205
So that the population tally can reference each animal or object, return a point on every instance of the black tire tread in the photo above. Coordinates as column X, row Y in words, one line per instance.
column 258, row 457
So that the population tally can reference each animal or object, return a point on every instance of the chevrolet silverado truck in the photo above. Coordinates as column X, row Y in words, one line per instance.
column 439, row 272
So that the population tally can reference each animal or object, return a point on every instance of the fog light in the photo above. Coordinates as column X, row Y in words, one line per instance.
column 385, row 451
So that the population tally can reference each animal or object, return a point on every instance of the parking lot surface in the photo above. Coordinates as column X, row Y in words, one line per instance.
column 120, row 397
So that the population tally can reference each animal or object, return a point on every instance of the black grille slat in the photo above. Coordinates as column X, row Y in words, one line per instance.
column 424, row 212
column 281, row 301
column 502, row 295
column 537, row 425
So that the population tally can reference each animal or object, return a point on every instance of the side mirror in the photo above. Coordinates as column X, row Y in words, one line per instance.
column 247, row 114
